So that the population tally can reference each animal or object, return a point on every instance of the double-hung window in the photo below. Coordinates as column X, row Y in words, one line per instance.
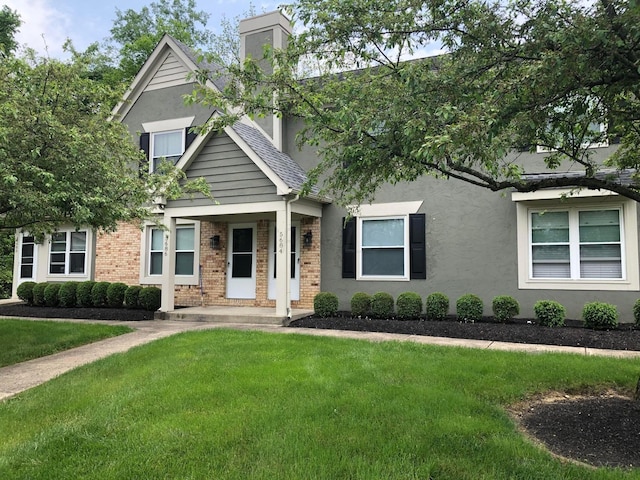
column 577, row 244
column 68, row 253
column 383, row 247
column 586, row 240
column 185, row 250
column 186, row 254
column 27, row 257
column 389, row 247
column 167, row 146
column 156, row 249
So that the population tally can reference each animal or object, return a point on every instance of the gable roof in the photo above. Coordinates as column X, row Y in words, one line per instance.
column 280, row 168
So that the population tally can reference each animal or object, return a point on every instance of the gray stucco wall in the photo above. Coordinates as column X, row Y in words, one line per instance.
column 163, row 104
column 471, row 244
column 231, row 175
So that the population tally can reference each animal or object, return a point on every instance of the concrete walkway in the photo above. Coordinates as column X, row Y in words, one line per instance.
column 22, row 376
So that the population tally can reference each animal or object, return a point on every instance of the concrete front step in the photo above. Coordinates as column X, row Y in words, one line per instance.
column 254, row 315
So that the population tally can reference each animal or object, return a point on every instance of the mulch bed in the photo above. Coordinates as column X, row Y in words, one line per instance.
column 518, row 331
column 21, row 310
column 599, row 429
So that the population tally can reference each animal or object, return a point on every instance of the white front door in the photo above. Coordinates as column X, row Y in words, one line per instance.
column 274, row 240
column 241, row 261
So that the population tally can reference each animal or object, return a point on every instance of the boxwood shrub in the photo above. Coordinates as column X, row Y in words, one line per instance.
column 636, row 311
column 67, row 294
column 437, row 306
column 51, row 294
column 505, row 308
column 325, row 304
column 38, row 294
column 115, row 294
column 360, row 304
column 150, row 298
column 549, row 313
column 382, row 305
column 99, row 294
column 469, row 308
column 600, row 316
column 25, row 292
column 409, row 305
column 83, row 294
column 131, row 296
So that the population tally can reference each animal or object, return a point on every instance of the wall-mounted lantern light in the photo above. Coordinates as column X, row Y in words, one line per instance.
column 214, row 242
column 307, row 239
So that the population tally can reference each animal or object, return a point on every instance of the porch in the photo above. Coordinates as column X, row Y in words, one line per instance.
column 233, row 314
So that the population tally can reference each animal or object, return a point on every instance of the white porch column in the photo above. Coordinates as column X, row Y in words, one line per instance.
column 168, row 265
column 283, row 260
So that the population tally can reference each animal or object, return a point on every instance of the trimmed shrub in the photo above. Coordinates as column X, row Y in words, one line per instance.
column 38, row 294
column 636, row 311
column 83, row 294
column 131, row 296
column 325, row 304
column 115, row 294
column 25, row 292
column 99, row 294
column 150, row 298
column 51, row 294
column 409, row 305
column 469, row 308
column 382, row 305
column 67, row 294
column 549, row 313
column 600, row 316
column 505, row 308
column 437, row 306
column 360, row 304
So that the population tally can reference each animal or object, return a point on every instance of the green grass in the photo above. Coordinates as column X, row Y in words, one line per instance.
column 22, row 340
column 250, row 405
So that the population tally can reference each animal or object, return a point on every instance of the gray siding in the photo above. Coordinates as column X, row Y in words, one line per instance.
column 471, row 247
column 231, row 175
column 171, row 73
column 164, row 104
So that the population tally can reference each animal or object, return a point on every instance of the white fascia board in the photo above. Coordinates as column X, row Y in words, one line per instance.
column 232, row 209
column 558, row 193
column 384, row 209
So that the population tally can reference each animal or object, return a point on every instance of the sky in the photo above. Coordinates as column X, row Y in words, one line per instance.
column 48, row 23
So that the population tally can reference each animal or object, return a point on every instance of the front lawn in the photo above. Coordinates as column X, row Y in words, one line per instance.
column 22, row 340
column 251, row 405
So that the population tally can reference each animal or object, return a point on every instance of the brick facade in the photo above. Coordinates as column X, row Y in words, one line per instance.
column 118, row 260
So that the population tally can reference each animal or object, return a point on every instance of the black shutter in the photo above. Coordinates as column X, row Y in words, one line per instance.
column 189, row 137
column 349, row 248
column 144, row 146
column 417, row 247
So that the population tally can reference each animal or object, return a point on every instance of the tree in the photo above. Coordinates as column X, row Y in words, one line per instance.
column 135, row 34
column 62, row 161
column 516, row 75
column 9, row 25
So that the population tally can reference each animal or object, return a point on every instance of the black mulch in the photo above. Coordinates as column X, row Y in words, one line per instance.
column 518, row 331
column 21, row 310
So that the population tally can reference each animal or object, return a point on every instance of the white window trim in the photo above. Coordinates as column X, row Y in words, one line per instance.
column 152, row 156
column 407, row 264
column 87, row 253
column 629, row 240
column 145, row 243
column 171, row 124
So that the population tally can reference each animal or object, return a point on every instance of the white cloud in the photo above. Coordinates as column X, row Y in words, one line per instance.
column 40, row 18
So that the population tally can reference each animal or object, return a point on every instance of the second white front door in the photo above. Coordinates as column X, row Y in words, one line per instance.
column 274, row 240
column 241, row 261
